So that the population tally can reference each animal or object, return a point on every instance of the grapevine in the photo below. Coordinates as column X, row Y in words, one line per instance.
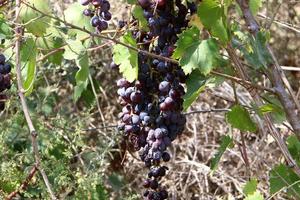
column 152, row 114
column 5, row 84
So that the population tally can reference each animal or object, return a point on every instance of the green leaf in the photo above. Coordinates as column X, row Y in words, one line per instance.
column 83, row 73
column 274, row 108
column 219, row 31
column 210, row 11
column 255, row 196
column 48, row 44
column 28, row 62
column 195, row 83
column 185, row 40
column 5, row 30
column 239, row 118
column 294, row 147
column 138, row 13
column 35, row 22
column 212, row 16
column 201, row 55
column 226, row 142
column 127, row 58
column 73, row 49
column 250, row 187
column 257, row 55
column 73, row 15
column 79, row 89
column 282, row 176
column 255, row 5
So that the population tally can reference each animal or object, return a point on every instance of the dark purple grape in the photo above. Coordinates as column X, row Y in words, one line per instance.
column 154, row 184
column 123, row 83
column 164, row 86
column 2, row 69
column 97, row 3
column 163, row 194
column 105, row 6
column 121, row 24
column 166, row 156
column 88, row 13
column 146, row 183
column 106, row 15
column 95, row 21
column 144, row 3
column 136, row 97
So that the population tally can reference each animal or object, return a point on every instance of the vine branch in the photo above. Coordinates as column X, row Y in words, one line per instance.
column 32, row 130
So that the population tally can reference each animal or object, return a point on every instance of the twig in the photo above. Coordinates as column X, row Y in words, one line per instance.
column 283, row 24
column 274, row 73
column 96, row 98
column 273, row 131
column 24, row 185
column 33, row 133
column 242, row 81
column 207, row 111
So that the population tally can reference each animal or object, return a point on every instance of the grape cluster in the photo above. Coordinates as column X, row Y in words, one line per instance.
column 152, row 117
column 5, row 84
column 99, row 13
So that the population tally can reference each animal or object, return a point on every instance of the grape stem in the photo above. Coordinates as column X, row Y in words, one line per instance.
column 33, row 132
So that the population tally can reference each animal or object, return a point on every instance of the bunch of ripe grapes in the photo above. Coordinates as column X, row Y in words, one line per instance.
column 99, row 13
column 152, row 117
column 5, row 84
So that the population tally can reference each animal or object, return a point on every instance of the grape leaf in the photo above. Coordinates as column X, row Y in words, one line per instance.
column 35, row 22
column 138, row 13
column 127, row 58
column 254, row 6
column 202, row 55
column 196, row 54
column 210, row 11
column 186, row 39
column 294, row 147
column 73, row 49
column 226, row 142
column 73, row 15
column 211, row 14
column 239, row 118
column 79, row 89
column 195, row 83
column 282, row 176
column 47, row 44
column 28, row 62
column 5, row 30
column 250, row 187
column 255, row 196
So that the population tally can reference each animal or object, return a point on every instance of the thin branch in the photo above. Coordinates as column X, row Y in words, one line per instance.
column 33, row 133
column 272, row 130
column 242, row 81
column 24, row 185
column 283, row 24
column 274, row 73
column 207, row 111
